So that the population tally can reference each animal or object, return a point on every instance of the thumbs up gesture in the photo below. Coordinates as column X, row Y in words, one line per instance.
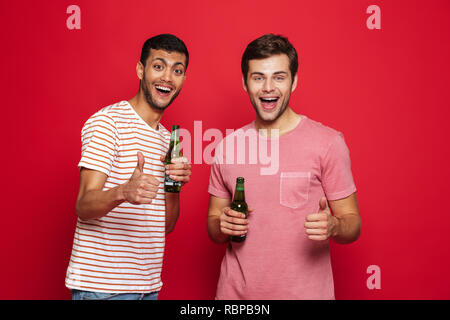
column 321, row 225
column 141, row 188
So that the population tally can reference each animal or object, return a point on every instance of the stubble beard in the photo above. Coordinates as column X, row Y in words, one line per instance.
column 149, row 98
column 269, row 118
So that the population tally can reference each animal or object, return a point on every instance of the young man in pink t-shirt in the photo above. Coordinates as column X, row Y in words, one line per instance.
column 306, row 196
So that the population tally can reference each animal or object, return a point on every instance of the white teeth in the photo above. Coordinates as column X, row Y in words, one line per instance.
column 270, row 99
column 163, row 88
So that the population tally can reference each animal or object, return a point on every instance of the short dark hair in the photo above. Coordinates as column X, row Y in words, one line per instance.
column 166, row 42
column 267, row 46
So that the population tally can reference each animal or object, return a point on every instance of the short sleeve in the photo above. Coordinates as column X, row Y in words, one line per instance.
column 217, row 185
column 99, row 138
column 337, row 178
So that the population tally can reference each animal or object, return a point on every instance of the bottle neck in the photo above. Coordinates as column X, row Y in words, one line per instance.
column 174, row 136
column 239, row 194
column 175, row 141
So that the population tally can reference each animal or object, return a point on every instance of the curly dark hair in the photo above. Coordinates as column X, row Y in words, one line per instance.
column 166, row 42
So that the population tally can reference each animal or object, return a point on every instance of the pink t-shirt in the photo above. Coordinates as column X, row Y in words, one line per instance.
column 277, row 260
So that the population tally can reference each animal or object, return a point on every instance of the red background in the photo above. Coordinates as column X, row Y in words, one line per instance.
column 387, row 90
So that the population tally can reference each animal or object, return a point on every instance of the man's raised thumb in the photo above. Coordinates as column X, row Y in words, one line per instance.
column 323, row 204
column 140, row 163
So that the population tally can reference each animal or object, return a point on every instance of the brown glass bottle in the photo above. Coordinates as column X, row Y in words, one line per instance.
column 239, row 205
column 174, row 151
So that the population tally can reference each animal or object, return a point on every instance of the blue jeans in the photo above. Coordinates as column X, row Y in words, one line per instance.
column 88, row 295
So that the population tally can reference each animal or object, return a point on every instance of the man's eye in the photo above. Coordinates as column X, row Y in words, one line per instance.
column 178, row 71
column 257, row 78
column 158, row 67
column 279, row 78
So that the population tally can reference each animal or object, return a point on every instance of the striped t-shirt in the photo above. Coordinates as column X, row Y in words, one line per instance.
column 123, row 250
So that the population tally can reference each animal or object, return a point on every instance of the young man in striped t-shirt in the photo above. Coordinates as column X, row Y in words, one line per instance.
column 123, row 211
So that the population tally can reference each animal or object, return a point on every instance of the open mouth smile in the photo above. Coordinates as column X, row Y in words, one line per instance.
column 163, row 90
column 269, row 103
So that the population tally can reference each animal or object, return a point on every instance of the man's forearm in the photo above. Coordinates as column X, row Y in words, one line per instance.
column 172, row 210
column 95, row 204
column 348, row 229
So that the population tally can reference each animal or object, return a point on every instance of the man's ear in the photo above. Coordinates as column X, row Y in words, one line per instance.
column 294, row 84
column 244, row 85
column 140, row 70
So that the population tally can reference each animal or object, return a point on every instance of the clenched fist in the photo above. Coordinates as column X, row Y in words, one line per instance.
column 141, row 188
column 179, row 169
column 233, row 223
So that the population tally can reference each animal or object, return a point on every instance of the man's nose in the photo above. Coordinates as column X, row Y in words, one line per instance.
column 268, row 86
column 167, row 75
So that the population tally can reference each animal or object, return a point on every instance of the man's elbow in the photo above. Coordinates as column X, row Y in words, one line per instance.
column 81, row 212
column 217, row 238
column 170, row 228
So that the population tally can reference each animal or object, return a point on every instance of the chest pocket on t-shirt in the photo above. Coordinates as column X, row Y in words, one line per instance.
column 294, row 188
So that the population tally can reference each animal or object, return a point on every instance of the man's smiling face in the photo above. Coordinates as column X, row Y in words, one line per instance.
column 269, row 85
column 162, row 77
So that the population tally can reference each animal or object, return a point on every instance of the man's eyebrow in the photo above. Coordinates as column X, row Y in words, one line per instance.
column 161, row 59
column 257, row 73
column 262, row 74
column 177, row 63
column 165, row 62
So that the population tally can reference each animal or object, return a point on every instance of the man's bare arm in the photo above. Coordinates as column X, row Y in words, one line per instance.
column 93, row 202
column 346, row 212
column 178, row 170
